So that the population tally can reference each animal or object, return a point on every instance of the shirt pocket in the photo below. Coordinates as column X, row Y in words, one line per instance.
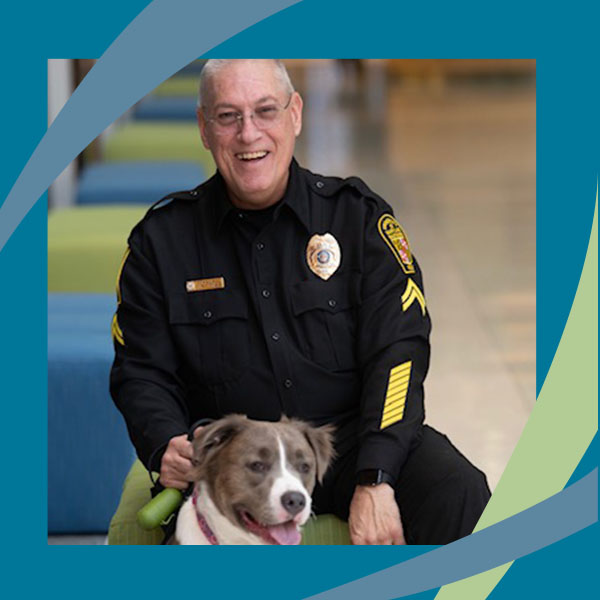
column 211, row 329
column 325, row 314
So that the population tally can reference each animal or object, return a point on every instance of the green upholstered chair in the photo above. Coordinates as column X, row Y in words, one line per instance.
column 157, row 141
column 86, row 245
column 124, row 529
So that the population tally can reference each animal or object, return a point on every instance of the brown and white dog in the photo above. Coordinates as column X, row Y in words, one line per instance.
column 253, row 481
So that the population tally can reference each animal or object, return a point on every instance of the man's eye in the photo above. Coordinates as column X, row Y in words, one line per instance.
column 267, row 112
column 227, row 117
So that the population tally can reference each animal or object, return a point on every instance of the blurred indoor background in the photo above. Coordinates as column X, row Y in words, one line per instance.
column 450, row 144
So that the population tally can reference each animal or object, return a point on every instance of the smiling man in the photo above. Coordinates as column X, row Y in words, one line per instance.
column 271, row 290
column 253, row 151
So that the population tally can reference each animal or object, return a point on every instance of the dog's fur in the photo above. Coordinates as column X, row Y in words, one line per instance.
column 253, row 481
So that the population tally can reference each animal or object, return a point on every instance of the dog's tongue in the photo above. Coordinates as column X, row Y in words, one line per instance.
column 286, row 534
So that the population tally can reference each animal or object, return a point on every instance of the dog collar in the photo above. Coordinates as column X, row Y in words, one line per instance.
column 204, row 526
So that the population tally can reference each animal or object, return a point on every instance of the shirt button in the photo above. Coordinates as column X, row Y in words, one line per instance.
column 288, row 383
column 332, row 303
column 207, row 314
column 260, row 246
column 275, row 337
column 320, row 184
column 240, row 215
column 266, row 294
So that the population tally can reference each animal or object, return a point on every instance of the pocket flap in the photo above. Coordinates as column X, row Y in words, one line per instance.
column 332, row 295
column 205, row 308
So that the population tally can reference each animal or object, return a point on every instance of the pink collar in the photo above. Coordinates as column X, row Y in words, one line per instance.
column 204, row 526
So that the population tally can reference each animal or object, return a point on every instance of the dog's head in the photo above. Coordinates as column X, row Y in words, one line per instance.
column 260, row 475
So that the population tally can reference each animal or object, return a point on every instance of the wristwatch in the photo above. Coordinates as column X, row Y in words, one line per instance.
column 373, row 477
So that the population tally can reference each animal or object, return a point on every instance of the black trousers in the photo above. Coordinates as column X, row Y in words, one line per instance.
column 441, row 495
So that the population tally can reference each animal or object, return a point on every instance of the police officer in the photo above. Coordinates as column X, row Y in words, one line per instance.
column 270, row 290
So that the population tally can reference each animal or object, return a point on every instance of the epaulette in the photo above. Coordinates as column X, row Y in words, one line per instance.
column 184, row 195
column 330, row 186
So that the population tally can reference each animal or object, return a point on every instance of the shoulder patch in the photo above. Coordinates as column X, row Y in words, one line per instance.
column 395, row 238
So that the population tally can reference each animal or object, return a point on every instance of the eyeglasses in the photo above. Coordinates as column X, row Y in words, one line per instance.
column 228, row 121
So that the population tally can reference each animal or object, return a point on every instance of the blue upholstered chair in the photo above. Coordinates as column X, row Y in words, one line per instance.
column 89, row 452
column 136, row 182
column 166, row 108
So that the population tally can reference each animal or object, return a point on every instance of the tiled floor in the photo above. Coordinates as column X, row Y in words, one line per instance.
column 69, row 540
column 456, row 160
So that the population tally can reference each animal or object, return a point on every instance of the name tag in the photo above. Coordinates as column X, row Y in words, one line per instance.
column 202, row 285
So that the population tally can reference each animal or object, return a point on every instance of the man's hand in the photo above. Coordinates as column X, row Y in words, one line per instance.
column 375, row 517
column 176, row 469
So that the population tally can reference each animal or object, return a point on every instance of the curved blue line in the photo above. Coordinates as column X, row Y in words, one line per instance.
column 561, row 515
column 164, row 37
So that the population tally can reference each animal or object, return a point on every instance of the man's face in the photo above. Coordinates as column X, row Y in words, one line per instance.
column 254, row 162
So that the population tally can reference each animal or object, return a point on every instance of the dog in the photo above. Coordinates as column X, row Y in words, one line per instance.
column 253, row 481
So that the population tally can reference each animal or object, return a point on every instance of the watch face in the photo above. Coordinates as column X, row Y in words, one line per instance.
column 369, row 477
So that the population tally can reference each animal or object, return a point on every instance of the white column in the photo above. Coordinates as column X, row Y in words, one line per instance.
column 60, row 88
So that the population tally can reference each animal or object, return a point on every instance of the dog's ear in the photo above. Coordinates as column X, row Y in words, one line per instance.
column 321, row 441
column 212, row 438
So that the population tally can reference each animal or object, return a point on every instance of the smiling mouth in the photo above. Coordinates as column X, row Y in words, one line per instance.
column 284, row 534
column 251, row 156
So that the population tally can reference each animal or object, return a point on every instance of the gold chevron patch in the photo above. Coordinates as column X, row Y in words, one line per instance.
column 395, row 398
column 118, row 285
column 116, row 332
column 412, row 293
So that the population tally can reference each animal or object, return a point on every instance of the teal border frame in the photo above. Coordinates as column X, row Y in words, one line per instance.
column 564, row 45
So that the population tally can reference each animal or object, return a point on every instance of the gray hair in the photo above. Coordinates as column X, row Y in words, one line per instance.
column 214, row 65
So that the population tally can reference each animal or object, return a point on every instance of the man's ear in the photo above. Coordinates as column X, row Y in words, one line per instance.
column 296, row 105
column 213, row 438
column 202, row 125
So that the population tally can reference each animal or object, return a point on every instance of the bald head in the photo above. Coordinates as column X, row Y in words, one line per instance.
column 214, row 65
column 253, row 152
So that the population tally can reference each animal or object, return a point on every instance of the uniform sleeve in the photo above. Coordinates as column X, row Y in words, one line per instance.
column 393, row 346
column 144, row 383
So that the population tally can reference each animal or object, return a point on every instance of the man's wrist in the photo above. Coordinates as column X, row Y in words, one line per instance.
column 373, row 477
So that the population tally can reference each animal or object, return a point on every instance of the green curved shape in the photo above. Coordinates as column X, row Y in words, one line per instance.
column 560, row 428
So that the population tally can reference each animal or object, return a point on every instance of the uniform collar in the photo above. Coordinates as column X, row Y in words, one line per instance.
column 221, row 204
column 296, row 194
column 295, row 197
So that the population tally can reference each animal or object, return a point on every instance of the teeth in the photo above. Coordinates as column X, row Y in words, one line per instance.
column 251, row 155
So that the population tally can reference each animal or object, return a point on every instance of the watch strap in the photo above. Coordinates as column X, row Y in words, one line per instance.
column 374, row 477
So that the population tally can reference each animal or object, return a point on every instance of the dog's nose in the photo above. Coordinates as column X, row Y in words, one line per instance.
column 293, row 502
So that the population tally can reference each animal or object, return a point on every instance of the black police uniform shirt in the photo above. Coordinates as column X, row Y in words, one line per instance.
column 220, row 312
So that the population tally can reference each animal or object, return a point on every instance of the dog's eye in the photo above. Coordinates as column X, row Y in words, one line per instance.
column 257, row 466
column 304, row 467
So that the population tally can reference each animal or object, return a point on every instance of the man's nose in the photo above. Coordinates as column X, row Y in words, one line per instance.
column 248, row 131
column 293, row 502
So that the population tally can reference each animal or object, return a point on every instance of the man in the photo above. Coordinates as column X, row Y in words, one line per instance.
column 270, row 290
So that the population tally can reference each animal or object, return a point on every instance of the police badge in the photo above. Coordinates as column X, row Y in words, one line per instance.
column 323, row 255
